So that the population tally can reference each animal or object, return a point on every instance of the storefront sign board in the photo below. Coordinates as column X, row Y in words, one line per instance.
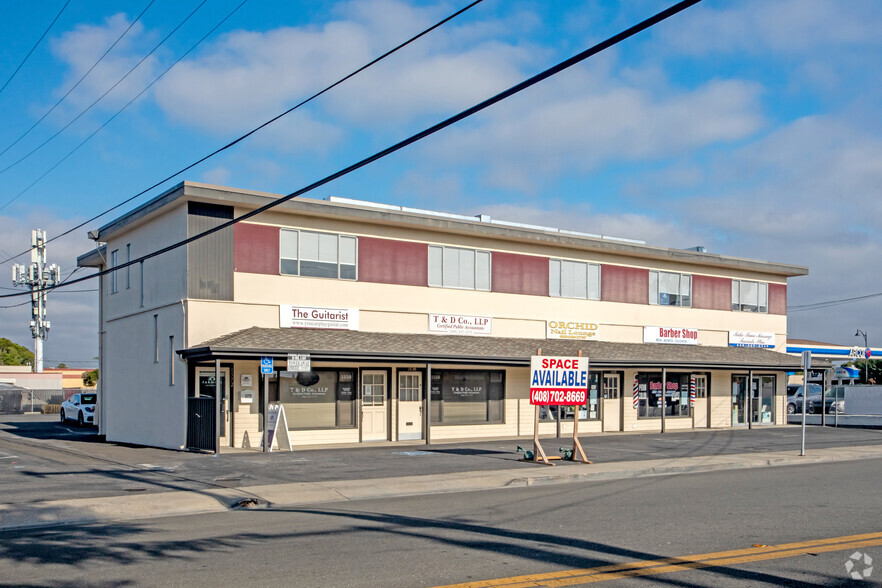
column 558, row 381
column 455, row 324
column 313, row 317
column 751, row 339
column 299, row 362
column 673, row 335
column 576, row 330
column 277, row 428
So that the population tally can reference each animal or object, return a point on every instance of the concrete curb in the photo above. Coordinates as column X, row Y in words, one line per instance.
column 300, row 494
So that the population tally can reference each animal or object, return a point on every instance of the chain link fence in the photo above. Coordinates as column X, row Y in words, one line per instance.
column 17, row 400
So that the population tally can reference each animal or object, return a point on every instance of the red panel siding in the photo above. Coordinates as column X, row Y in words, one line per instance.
column 711, row 293
column 393, row 262
column 519, row 274
column 777, row 299
column 256, row 249
column 624, row 284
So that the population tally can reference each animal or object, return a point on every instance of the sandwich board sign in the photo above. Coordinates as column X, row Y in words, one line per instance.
column 558, row 381
column 277, row 428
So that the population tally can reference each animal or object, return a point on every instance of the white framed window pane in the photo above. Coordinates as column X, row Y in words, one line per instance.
column 482, row 270
column 309, row 246
column 450, row 269
column 685, row 290
column 348, row 246
column 288, row 244
column 668, row 288
column 327, row 248
column 466, row 268
column 593, row 281
column 749, row 296
column 653, row 287
column 580, row 280
column 435, row 266
column 763, row 295
column 566, row 278
column 736, row 295
column 554, row 277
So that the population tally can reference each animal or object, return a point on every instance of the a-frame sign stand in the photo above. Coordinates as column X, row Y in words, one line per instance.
column 539, row 455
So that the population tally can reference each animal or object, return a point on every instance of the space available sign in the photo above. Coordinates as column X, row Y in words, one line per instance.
column 751, row 339
column 455, row 324
column 570, row 330
column 558, row 380
column 675, row 335
column 312, row 317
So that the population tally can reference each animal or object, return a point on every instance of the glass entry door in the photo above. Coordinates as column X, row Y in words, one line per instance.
column 410, row 405
column 761, row 406
column 739, row 400
column 206, row 386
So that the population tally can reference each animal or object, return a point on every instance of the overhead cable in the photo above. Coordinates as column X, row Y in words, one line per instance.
column 517, row 88
column 40, row 40
column 249, row 133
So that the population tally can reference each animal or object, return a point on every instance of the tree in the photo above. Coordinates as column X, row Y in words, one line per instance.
column 90, row 378
column 61, row 366
column 14, row 354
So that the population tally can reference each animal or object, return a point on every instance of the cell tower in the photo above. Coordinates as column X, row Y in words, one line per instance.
column 37, row 276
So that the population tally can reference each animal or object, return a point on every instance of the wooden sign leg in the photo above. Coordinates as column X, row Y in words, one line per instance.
column 577, row 447
column 537, row 447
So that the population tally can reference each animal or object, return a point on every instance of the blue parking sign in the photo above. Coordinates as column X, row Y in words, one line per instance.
column 266, row 365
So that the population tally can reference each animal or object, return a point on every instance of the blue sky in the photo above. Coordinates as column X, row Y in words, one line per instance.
column 748, row 127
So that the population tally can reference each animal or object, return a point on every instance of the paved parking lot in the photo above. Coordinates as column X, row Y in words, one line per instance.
column 41, row 459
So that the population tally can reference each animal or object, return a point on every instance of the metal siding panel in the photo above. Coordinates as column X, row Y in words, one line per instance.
column 520, row 274
column 210, row 259
column 777, row 299
column 711, row 293
column 386, row 261
column 256, row 249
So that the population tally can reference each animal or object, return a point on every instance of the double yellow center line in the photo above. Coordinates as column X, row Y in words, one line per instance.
column 676, row 564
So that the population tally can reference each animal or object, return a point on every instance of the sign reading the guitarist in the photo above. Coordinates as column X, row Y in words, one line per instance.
column 558, row 381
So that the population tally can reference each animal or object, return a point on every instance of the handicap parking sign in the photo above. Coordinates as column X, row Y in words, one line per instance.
column 266, row 365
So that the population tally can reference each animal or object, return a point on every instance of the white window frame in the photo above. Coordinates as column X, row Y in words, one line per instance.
column 555, row 278
column 340, row 237
column 654, row 281
column 441, row 252
column 762, row 291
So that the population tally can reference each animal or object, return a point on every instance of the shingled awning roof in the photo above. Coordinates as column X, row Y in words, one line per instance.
column 328, row 345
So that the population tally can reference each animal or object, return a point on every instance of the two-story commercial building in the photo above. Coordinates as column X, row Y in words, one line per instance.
column 417, row 325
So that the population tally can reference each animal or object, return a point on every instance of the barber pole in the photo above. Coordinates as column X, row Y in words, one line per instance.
column 691, row 391
column 636, row 393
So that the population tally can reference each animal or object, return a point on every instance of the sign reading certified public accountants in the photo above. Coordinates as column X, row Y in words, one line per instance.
column 751, row 339
column 570, row 330
column 310, row 317
column 674, row 335
column 455, row 324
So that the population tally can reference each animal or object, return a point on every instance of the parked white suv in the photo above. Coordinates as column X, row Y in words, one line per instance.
column 80, row 408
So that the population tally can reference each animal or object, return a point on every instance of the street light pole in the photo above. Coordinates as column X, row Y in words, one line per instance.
column 866, row 359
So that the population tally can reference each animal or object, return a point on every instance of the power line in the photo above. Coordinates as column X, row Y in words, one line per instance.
column 829, row 303
column 40, row 40
column 74, row 87
column 118, row 112
column 246, row 135
column 517, row 88
column 97, row 100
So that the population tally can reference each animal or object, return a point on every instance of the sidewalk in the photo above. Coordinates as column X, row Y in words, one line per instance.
column 440, row 469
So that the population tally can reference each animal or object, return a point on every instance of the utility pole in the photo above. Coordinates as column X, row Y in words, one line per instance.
column 38, row 276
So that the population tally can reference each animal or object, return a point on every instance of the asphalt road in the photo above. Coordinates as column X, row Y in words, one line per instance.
column 44, row 460
column 451, row 538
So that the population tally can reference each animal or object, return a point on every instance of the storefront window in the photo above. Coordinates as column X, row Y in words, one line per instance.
column 322, row 399
column 591, row 410
column 676, row 395
column 467, row 397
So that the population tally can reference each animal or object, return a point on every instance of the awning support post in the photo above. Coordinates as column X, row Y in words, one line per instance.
column 577, row 446
column 664, row 397
column 427, row 402
column 217, row 405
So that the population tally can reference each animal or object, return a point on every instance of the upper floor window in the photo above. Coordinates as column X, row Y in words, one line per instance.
column 320, row 255
column 114, row 261
column 452, row 267
column 669, row 289
column 573, row 279
column 750, row 296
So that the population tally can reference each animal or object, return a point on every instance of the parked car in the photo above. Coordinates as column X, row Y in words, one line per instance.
column 831, row 403
column 80, row 408
column 794, row 398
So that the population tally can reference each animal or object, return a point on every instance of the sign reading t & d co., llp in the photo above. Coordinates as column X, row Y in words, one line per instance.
column 558, row 380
